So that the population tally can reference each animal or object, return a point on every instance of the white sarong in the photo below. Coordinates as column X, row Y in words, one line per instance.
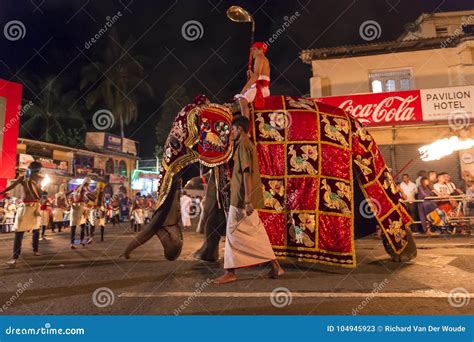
column 77, row 214
column 27, row 217
column 58, row 215
column 247, row 242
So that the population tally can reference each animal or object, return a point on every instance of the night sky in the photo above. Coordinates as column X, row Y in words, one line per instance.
column 56, row 32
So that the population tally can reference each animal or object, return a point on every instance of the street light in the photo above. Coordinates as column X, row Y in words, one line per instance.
column 240, row 15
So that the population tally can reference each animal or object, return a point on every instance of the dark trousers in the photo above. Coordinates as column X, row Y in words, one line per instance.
column 73, row 233
column 58, row 225
column 413, row 211
column 19, row 239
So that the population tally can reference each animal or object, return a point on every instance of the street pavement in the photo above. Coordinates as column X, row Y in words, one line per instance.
column 94, row 280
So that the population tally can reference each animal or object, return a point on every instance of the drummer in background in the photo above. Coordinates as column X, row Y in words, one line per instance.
column 45, row 211
column 95, row 203
column 59, row 206
column 28, row 211
column 138, row 213
column 77, row 217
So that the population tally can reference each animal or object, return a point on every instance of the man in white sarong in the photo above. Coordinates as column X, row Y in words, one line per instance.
column 247, row 242
column 185, row 203
column 258, row 84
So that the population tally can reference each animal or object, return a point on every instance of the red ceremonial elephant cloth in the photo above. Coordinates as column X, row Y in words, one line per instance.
column 310, row 154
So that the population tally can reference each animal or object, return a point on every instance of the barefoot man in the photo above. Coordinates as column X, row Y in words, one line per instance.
column 28, row 211
column 257, row 86
column 247, row 242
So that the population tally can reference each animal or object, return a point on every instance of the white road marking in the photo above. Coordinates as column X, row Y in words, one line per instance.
column 413, row 294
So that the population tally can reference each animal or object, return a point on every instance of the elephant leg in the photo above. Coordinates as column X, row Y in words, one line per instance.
column 214, row 228
column 407, row 254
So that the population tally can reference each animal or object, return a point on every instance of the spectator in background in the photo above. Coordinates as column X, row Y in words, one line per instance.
column 421, row 174
column 433, row 178
column 10, row 210
column 453, row 189
column 470, row 199
column 425, row 207
column 441, row 189
column 465, row 179
column 409, row 191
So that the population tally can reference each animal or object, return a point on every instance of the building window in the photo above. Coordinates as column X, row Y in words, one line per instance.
column 109, row 166
column 123, row 168
column 390, row 80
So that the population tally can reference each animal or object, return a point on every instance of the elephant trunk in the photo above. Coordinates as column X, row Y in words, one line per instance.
column 162, row 214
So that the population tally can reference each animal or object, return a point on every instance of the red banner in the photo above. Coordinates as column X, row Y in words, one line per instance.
column 381, row 109
column 10, row 104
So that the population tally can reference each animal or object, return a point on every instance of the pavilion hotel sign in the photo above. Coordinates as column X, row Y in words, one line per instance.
column 408, row 107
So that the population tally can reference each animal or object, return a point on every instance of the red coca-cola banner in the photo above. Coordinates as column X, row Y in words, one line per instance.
column 379, row 109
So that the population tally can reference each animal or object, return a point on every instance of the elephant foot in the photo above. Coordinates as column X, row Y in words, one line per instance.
column 407, row 254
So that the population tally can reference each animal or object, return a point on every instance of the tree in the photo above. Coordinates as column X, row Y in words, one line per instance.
column 53, row 109
column 116, row 80
column 175, row 99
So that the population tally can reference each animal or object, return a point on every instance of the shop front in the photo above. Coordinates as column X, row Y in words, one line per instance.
column 401, row 122
column 145, row 182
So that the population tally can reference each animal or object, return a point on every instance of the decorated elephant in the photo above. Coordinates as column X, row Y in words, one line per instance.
column 324, row 179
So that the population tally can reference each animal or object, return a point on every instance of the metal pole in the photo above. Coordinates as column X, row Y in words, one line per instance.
column 251, row 43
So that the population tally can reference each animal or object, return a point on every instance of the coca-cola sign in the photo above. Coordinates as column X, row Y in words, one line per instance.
column 381, row 109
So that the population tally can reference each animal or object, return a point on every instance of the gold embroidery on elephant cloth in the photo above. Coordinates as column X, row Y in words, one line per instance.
column 276, row 188
column 395, row 229
column 270, row 130
column 344, row 190
column 364, row 164
column 301, row 103
column 333, row 200
column 333, row 132
column 389, row 183
column 297, row 231
column 301, row 163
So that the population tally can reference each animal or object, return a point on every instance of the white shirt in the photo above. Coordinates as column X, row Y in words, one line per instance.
column 441, row 189
column 409, row 190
